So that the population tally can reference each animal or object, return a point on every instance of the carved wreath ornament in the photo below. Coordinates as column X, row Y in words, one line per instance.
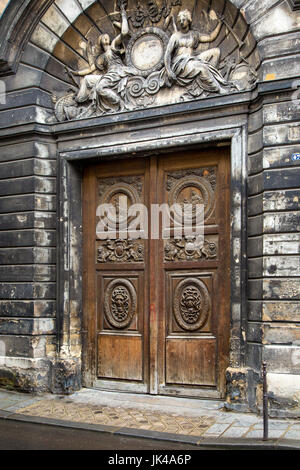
column 158, row 56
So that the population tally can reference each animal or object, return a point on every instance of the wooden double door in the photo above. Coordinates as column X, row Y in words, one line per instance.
column 157, row 305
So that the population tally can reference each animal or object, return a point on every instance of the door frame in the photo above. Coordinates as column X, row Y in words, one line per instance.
column 72, row 328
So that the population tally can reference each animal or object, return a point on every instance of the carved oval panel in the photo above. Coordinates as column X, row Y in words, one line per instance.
column 191, row 304
column 193, row 190
column 120, row 196
column 120, row 303
column 146, row 50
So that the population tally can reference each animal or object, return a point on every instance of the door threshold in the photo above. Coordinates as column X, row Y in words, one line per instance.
column 164, row 403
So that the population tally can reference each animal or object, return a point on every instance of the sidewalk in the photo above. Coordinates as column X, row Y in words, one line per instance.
column 190, row 421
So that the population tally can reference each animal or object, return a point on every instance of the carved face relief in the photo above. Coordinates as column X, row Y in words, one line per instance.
column 191, row 304
column 120, row 303
column 191, row 248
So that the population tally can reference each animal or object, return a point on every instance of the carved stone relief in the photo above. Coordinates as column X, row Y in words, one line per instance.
column 191, row 304
column 120, row 303
column 161, row 53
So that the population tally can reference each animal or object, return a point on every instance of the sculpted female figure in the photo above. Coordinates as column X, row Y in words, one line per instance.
column 184, row 65
column 110, row 62
column 100, row 82
column 90, row 76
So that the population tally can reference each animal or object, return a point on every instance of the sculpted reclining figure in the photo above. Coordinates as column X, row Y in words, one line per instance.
column 184, row 64
column 101, row 81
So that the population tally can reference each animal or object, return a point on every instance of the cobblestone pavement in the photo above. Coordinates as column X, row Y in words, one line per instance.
column 205, row 419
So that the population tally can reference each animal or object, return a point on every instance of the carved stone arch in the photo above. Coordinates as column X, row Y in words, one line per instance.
column 18, row 21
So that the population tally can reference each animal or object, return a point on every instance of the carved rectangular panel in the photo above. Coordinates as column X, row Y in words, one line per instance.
column 191, row 363
column 119, row 302
column 120, row 307
column 120, row 357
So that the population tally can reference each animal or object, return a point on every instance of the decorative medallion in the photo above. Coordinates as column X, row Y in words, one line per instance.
column 118, row 197
column 120, row 303
column 193, row 190
column 191, row 304
column 120, row 251
column 146, row 50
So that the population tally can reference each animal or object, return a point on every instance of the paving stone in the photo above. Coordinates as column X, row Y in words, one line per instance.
column 235, row 432
column 258, row 434
column 293, row 433
column 273, row 425
column 216, row 429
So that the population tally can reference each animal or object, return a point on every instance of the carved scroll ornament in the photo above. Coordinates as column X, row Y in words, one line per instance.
column 157, row 57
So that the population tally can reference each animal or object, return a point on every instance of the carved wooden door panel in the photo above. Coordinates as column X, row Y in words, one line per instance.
column 156, row 311
column 116, row 279
column 194, row 329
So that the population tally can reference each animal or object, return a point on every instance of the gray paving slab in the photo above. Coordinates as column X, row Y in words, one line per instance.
column 258, row 433
column 235, row 432
column 293, row 433
column 216, row 429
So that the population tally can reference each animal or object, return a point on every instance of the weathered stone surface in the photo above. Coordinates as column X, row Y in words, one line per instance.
column 282, row 359
column 277, row 45
column 280, row 156
column 27, row 291
column 272, row 310
column 281, row 222
column 281, row 311
column 27, row 273
column 26, row 346
column 281, row 200
column 26, row 326
column 281, row 334
column 284, row 391
column 27, row 308
column 280, row 266
column 278, row 20
column 281, row 289
column 281, row 112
